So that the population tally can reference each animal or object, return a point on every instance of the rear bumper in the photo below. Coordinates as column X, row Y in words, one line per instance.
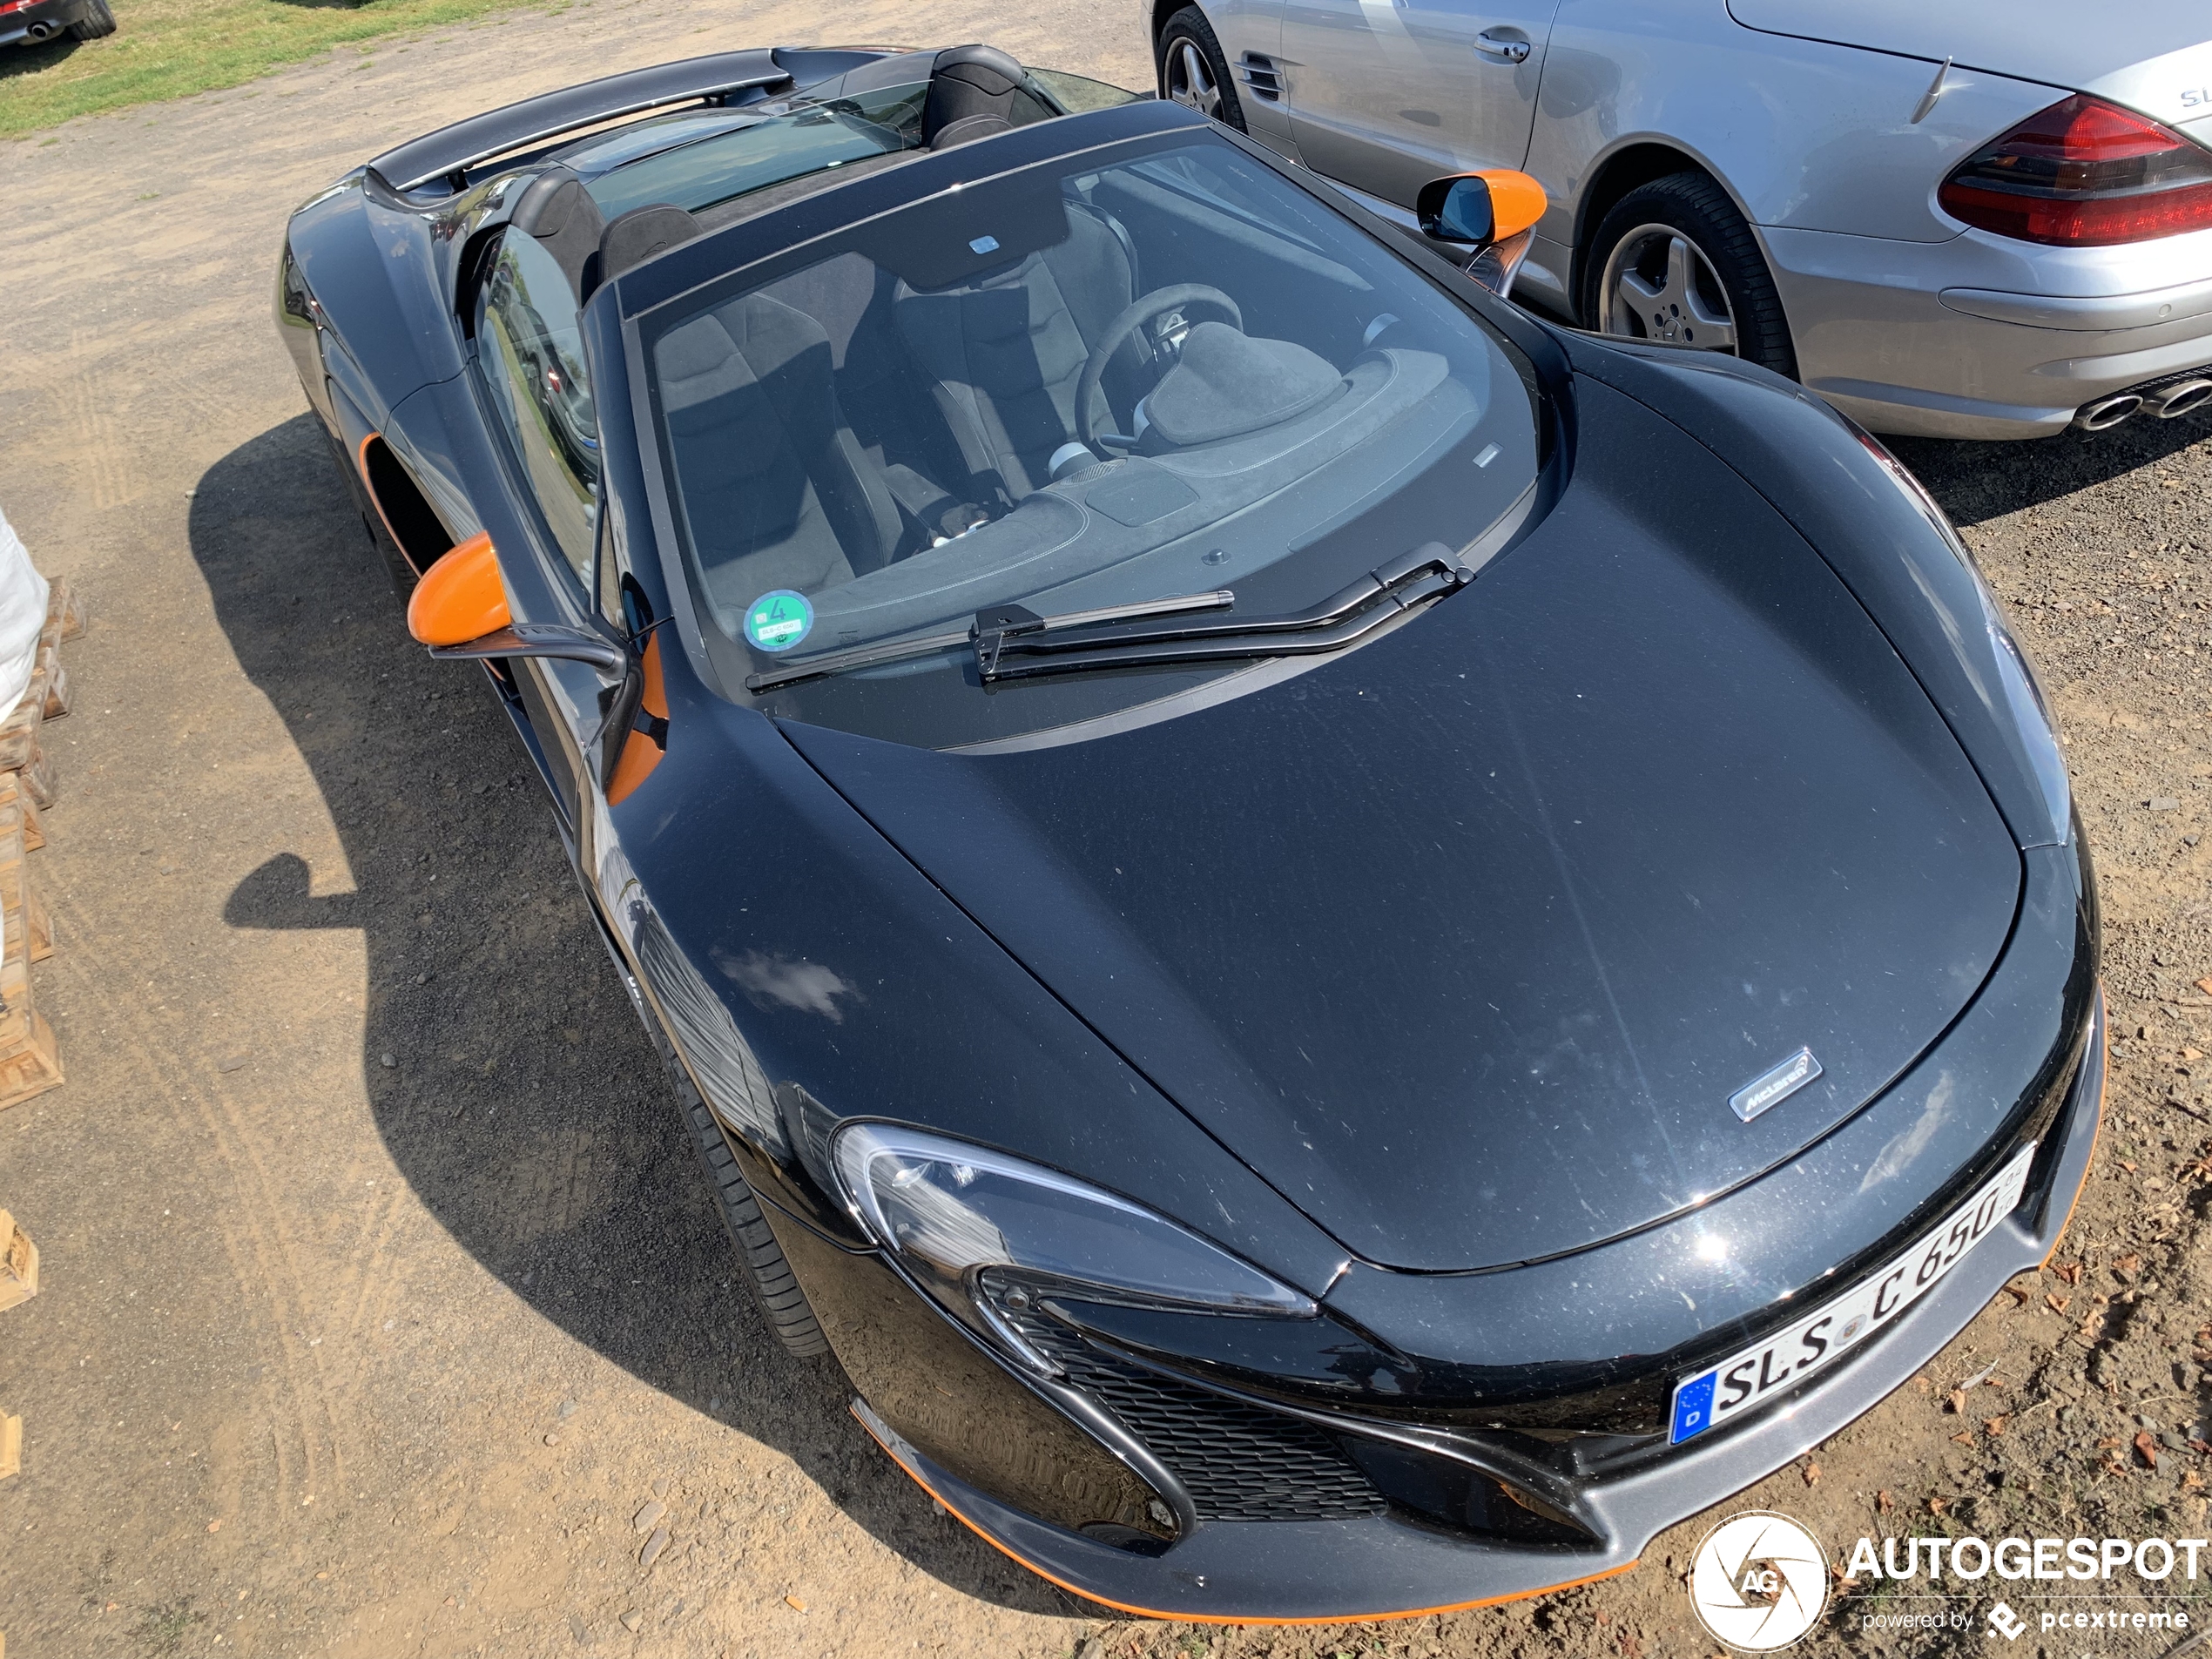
column 1386, row 1566
column 1978, row 337
column 41, row 20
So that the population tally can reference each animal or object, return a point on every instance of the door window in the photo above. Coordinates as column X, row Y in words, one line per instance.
column 530, row 352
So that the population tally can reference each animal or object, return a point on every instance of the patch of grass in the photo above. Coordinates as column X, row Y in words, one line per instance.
column 162, row 1629
column 165, row 48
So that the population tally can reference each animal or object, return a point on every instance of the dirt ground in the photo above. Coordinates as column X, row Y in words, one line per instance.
column 380, row 1289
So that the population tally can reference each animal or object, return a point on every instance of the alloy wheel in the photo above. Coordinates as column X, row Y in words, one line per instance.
column 1190, row 82
column 1659, row 286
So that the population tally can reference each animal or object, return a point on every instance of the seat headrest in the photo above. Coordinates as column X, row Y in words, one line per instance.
column 971, row 95
column 556, row 209
column 637, row 235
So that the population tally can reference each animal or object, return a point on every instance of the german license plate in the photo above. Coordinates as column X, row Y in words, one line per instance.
column 1747, row 1380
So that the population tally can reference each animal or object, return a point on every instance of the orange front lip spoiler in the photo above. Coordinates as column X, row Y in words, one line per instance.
column 893, row 1447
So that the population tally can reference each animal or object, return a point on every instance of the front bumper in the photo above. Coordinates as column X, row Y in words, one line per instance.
column 1387, row 1565
column 1982, row 337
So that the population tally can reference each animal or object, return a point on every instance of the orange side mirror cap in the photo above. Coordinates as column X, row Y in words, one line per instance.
column 1480, row 208
column 1516, row 202
column 461, row 597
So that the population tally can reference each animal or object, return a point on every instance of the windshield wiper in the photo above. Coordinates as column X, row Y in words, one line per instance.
column 1375, row 600
column 989, row 624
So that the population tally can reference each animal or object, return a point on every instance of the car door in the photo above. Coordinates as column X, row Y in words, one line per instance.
column 1385, row 95
column 530, row 361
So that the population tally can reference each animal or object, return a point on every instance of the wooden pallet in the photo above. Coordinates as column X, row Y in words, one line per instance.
column 45, row 699
column 18, row 1264
column 34, row 826
column 20, row 905
column 30, row 1064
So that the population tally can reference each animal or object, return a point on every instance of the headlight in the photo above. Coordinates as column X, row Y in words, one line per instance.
column 979, row 1230
column 2016, row 682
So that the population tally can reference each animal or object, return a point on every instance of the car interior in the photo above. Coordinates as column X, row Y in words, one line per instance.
column 1052, row 386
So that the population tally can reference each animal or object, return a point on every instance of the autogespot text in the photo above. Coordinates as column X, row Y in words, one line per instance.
column 2025, row 1558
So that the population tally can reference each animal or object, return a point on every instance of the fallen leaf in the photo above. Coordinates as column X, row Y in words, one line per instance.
column 2020, row 1297
column 2108, row 1443
column 2088, row 1331
column 2205, row 985
column 1812, row 1474
column 1883, row 1502
column 794, row 1604
column 2130, row 1168
column 2147, row 1446
column 1963, row 1439
column 1959, row 1401
column 2191, row 1480
column 1937, row 1505
column 2057, row 1303
column 2070, row 1272
column 214, row 1526
column 2130, row 1265
column 1994, row 1427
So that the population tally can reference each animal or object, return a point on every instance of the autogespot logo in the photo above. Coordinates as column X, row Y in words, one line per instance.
column 1759, row 1581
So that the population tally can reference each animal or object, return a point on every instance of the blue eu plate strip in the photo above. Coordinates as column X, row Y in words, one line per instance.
column 1693, row 1407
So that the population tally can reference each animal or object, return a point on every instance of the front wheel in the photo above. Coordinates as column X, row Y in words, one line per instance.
column 1192, row 70
column 1674, row 263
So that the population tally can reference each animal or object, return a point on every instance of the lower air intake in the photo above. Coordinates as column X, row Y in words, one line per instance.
column 1238, row 1462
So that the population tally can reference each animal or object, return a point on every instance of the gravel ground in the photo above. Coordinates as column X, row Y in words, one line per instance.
column 383, row 1301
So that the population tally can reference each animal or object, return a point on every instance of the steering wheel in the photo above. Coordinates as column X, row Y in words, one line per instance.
column 1133, row 317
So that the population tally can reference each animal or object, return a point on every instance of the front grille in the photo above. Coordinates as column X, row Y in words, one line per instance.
column 1238, row 1462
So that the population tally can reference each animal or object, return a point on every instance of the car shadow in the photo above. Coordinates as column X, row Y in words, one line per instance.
column 506, row 1070
column 1976, row 481
column 32, row 57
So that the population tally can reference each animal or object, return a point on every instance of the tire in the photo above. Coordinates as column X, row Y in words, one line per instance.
column 1674, row 258
column 97, row 22
column 1193, row 72
column 774, row 1286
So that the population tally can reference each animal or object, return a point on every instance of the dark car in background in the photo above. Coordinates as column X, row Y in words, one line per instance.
column 1349, row 950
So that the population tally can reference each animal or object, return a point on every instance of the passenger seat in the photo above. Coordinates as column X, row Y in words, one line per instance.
column 1003, row 351
column 778, row 492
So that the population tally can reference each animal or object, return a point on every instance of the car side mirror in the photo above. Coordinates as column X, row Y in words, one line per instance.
column 459, row 609
column 1489, row 217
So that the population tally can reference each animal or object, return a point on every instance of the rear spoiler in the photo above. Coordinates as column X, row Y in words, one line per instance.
column 450, row 152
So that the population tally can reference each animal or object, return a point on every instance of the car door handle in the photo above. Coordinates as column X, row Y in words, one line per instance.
column 1502, row 45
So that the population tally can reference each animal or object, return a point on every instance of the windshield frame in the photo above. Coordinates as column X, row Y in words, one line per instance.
column 746, row 253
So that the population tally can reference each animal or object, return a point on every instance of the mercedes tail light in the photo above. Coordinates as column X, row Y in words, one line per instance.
column 2085, row 173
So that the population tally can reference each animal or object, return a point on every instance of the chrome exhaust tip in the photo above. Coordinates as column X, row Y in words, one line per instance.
column 2183, row 397
column 41, row 31
column 2106, row 412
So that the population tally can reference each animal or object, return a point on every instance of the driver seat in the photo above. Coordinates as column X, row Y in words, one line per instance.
column 1002, row 352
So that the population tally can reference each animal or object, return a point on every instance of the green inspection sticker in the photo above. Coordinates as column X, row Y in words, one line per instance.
column 779, row 620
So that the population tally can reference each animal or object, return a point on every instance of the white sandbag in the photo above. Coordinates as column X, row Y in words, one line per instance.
column 23, row 613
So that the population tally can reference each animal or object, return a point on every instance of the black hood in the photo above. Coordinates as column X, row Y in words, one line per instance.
column 1463, row 940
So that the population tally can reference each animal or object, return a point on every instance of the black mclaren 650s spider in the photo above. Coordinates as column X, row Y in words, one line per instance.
column 1349, row 950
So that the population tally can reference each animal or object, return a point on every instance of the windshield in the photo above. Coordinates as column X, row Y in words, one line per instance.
column 1157, row 371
